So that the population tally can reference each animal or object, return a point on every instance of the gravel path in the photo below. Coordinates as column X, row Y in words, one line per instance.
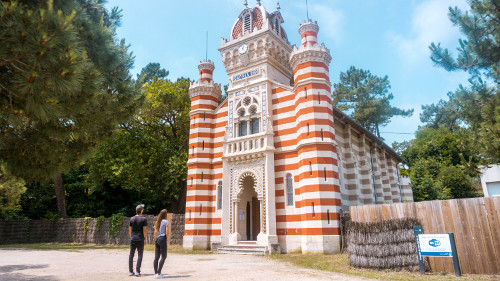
column 17, row 264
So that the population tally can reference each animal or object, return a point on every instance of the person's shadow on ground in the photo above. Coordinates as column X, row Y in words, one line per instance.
column 168, row 276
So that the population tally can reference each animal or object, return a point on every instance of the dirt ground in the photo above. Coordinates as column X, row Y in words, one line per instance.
column 99, row 264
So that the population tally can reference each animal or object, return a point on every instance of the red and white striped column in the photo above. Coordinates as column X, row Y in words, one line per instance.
column 317, row 185
column 200, row 195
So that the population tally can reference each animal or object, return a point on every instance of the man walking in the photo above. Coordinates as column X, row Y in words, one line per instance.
column 137, row 230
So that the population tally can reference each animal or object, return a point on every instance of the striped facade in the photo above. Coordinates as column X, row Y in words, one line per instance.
column 277, row 163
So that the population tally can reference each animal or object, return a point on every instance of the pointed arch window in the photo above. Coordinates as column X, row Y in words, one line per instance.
column 289, row 189
column 248, row 121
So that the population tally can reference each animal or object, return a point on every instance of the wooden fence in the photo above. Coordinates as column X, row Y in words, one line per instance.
column 475, row 223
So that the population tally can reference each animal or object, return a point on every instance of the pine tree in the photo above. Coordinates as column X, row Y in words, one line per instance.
column 150, row 72
column 475, row 108
column 65, row 84
column 366, row 97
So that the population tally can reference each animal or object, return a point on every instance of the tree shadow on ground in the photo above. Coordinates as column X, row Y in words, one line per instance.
column 8, row 274
column 14, row 267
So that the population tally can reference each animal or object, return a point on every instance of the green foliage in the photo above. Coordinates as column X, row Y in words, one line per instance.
column 422, row 175
column 223, row 97
column 39, row 202
column 149, row 155
column 86, row 224
column 489, row 134
column 151, row 72
column 11, row 189
column 26, row 229
column 166, row 109
column 65, row 85
column 439, row 144
column 480, row 51
column 115, row 224
column 475, row 109
column 456, row 182
column 473, row 112
column 100, row 220
column 367, row 98
column 441, row 165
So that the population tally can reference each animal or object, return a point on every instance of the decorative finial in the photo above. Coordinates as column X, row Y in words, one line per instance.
column 246, row 4
column 278, row 5
column 307, row 11
column 206, row 48
column 258, row 2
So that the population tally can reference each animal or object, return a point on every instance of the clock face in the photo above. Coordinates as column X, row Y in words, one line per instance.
column 243, row 48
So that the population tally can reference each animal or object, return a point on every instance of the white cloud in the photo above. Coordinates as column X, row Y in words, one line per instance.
column 429, row 23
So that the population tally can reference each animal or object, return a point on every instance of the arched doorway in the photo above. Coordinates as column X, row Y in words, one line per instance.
column 249, row 210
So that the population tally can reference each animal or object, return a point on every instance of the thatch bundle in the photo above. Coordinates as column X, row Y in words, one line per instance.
column 388, row 244
column 380, row 251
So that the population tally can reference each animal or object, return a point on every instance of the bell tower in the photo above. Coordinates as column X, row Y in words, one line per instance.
column 255, row 58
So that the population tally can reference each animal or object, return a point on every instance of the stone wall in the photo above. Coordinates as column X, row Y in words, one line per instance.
column 73, row 231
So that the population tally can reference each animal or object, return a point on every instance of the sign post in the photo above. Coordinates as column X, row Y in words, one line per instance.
column 456, row 264
column 436, row 245
column 417, row 230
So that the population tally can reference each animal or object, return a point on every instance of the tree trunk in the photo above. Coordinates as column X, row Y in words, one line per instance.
column 376, row 128
column 60, row 196
column 180, row 206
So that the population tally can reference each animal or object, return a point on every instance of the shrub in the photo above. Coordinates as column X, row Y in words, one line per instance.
column 100, row 220
column 115, row 224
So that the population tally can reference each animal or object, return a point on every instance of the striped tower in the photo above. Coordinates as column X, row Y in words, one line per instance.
column 317, row 178
column 309, row 33
column 200, row 198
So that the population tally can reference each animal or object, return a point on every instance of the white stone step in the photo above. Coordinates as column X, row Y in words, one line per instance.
column 247, row 242
column 244, row 248
column 242, row 251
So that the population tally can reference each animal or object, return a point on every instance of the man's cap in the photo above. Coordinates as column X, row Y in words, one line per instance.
column 139, row 207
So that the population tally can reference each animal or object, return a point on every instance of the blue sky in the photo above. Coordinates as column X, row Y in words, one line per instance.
column 387, row 37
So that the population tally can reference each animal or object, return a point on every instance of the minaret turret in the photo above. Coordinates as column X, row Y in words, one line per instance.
column 205, row 95
column 317, row 154
column 206, row 70
column 309, row 32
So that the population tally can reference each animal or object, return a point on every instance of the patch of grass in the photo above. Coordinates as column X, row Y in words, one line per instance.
column 340, row 264
column 63, row 246
column 72, row 247
column 177, row 249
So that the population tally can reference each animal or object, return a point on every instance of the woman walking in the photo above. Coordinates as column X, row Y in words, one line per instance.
column 160, row 236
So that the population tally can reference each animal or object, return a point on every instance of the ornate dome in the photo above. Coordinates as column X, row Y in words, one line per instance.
column 255, row 19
